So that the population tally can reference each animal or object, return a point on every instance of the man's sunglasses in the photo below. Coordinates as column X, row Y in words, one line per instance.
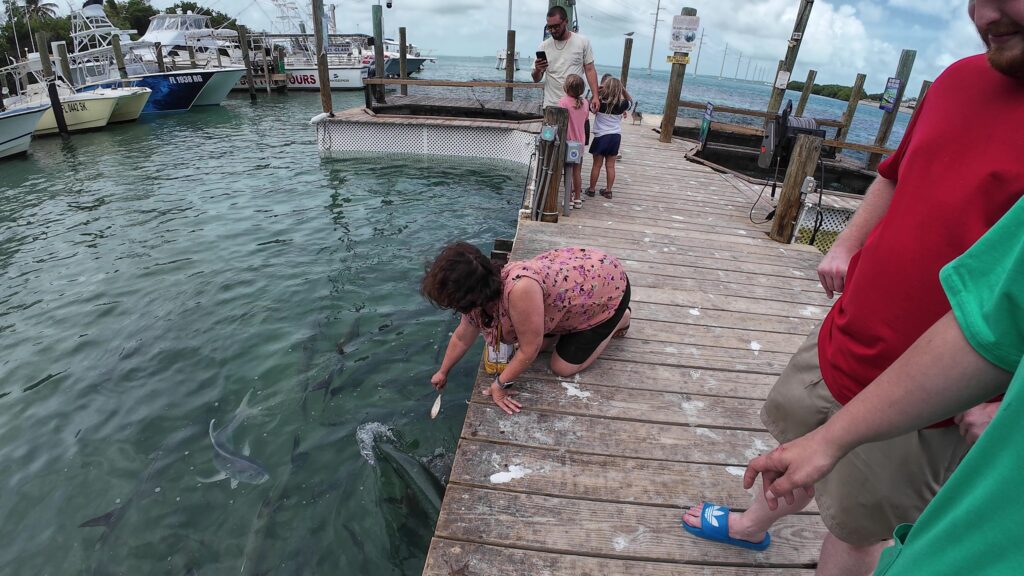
column 553, row 27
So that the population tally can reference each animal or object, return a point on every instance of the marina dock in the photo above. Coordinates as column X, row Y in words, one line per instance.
column 593, row 476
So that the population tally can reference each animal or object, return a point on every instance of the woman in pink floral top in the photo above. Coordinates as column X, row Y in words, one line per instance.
column 575, row 299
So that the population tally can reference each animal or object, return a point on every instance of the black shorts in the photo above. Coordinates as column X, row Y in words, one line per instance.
column 576, row 347
column 606, row 145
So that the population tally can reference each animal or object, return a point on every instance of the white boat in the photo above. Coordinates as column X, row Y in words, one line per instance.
column 82, row 110
column 176, row 33
column 17, row 126
column 130, row 102
column 502, row 60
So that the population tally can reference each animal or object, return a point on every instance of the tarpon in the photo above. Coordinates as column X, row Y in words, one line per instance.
column 235, row 466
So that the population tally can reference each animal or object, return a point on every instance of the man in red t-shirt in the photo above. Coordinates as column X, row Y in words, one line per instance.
column 958, row 169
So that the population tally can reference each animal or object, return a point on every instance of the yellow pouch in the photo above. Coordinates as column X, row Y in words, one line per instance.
column 496, row 358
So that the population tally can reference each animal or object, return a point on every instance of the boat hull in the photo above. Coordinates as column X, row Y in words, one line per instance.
column 129, row 107
column 172, row 91
column 308, row 79
column 219, row 86
column 16, row 128
column 413, row 64
column 80, row 114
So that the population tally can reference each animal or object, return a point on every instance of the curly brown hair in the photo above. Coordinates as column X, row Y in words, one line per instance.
column 461, row 278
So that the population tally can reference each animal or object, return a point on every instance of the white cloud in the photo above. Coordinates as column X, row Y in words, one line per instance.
column 946, row 9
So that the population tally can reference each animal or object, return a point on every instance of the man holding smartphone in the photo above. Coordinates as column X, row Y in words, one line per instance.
column 562, row 54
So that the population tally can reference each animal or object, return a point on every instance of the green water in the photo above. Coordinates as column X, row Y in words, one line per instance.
column 152, row 274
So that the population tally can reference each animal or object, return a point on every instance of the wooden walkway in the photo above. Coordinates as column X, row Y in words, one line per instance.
column 594, row 474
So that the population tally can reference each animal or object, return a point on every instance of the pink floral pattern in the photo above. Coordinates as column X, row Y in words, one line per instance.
column 582, row 288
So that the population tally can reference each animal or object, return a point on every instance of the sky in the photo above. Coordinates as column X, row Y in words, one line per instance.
column 843, row 37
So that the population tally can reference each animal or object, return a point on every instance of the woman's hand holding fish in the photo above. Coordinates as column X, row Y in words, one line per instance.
column 439, row 380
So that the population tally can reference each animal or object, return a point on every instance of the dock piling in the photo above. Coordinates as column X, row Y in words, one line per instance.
column 675, row 88
column 115, row 43
column 556, row 154
column 510, row 62
column 378, row 48
column 266, row 66
column 851, row 109
column 403, row 61
column 925, row 86
column 321, row 56
column 627, row 53
column 61, row 50
column 802, row 164
column 806, row 94
column 243, row 44
column 791, row 53
column 192, row 57
column 889, row 118
column 159, row 53
column 51, row 83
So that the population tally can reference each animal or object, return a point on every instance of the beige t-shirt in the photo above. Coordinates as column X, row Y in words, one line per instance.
column 564, row 58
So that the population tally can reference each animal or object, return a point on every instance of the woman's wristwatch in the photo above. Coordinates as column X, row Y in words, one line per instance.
column 497, row 380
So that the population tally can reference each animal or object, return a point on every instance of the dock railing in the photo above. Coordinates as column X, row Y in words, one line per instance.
column 377, row 96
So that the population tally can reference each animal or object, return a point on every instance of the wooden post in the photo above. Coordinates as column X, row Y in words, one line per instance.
column 787, row 64
column 889, row 118
column 266, row 66
column 321, row 57
column 851, row 110
column 243, row 45
column 510, row 62
column 61, row 50
column 802, row 164
column 3, row 90
column 192, row 56
column 51, row 85
column 159, row 53
column 920, row 97
column 627, row 53
column 403, row 64
column 115, row 42
column 675, row 89
column 806, row 94
column 559, row 117
column 378, row 47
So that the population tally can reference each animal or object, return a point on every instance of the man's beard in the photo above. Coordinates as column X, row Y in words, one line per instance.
column 1007, row 58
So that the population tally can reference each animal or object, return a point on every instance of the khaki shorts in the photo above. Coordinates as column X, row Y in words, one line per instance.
column 877, row 486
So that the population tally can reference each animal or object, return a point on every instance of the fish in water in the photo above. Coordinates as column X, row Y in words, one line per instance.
column 235, row 466
column 346, row 343
column 415, row 475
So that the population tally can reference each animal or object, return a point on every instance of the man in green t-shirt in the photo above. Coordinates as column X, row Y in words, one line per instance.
column 969, row 356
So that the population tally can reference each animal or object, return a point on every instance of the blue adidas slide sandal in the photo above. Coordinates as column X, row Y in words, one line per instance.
column 714, row 526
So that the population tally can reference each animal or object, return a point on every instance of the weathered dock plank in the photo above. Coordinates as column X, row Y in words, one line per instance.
column 593, row 475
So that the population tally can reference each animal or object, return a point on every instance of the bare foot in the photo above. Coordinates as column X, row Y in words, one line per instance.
column 737, row 526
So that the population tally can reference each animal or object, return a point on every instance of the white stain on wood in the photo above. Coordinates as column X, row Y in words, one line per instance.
column 514, row 472
column 694, row 311
column 735, row 470
column 574, row 392
column 755, row 346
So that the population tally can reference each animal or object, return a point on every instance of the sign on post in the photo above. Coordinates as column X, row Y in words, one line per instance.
column 684, row 33
column 673, row 59
column 705, row 125
column 892, row 87
column 782, row 80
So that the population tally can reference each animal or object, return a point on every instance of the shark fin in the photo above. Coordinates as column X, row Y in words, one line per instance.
column 246, row 449
column 102, row 520
column 234, row 483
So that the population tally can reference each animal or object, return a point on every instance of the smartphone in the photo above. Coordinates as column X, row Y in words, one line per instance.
column 542, row 55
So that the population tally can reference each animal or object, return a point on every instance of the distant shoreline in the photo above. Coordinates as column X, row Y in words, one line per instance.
column 876, row 103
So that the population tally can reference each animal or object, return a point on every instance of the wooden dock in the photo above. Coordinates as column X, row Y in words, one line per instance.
column 595, row 473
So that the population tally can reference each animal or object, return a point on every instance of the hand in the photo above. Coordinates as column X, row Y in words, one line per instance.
column 832, row 269
column 595, row 103
column 503, row 398
column 439, row 380
column 540, row 65
column 796, row 465
column 974, row 421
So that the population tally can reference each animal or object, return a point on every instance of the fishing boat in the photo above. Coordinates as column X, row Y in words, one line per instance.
column 94, row 66
column 131, row 100
column 82, row 110
column 189, row 44
column 17, row 126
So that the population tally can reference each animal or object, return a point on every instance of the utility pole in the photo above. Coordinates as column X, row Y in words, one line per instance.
column 723, row 61
column 746, row 76
column 738, row 62
column 699, row 46
column 509, row 25
column 790, row 61
column 657, row 18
